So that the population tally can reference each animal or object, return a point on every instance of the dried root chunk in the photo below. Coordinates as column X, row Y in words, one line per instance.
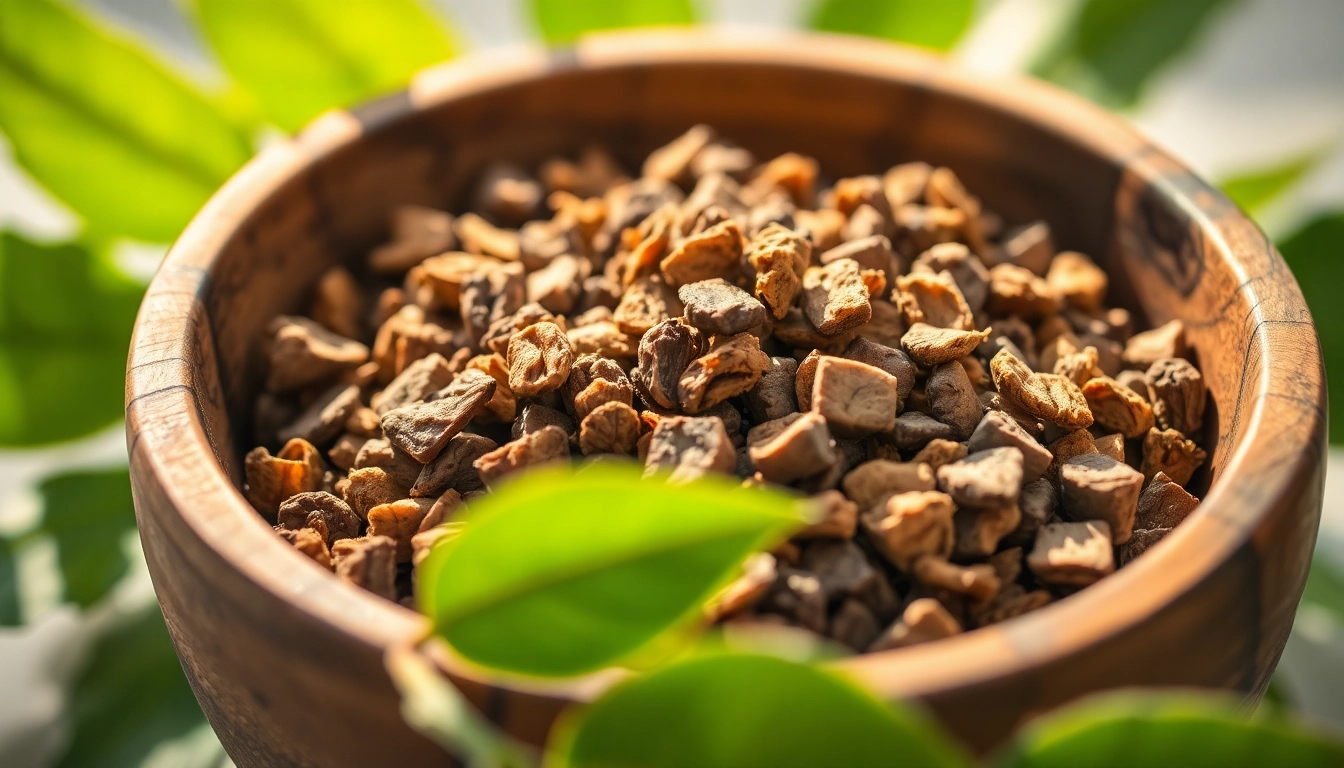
column 911, row 525
column 503, row 404
column 1043, row 395
column 933, row 299
column 539, row 360
column 1076, row 443
column 1077, row 280
column 801, row 449
column 780, row 257
column 719, row 307
column 338, row 304
column 672, row 162
column 872, row 482
column 914, row 430
column 758, row 575
column 399, row 521
column 1016, row 291
column 856, row 400
column 940, row 452
column 602, row 338
column 839, row 518
column 835, row 297
column 1112, row 445
column 705, row 256
column 871, row 253
column 796, row 331
column 1115, row 406
column 1163, row 504
column 987, row 479
column 1097, row 487
column 480, row 236
column 665, row 352
column 1139, row 543
column 1178, row 395
column 370, row 486
column 924, row 620
column 1012, row 601
column 612, row 427
column 773, row 395
column 414, row 383
column 369, row 562
column 325, row 418
column 399, row 465
column 887, row 326
column 647, row 302
column 978, row 582
column 320, row 511
column 1144, row 349
column 979, row 531
column 689, row 447
column 1030, row 247
column 1167, row 451
column 422, row 429
column 854, row 625
column 454, row 468
column 417, row 233
column 893, row 361
column 593, row 381
column 965, row 268
column 272, row 479
column 732, row 366
column 1072, row 554
column 952, row 399
column 308, row 541
column 343, row 454
column 303, row 353
column 997, row 429
column 841, row 567
column 534, row 449
column 558, row 285
column 931, row 346
column 797, row 596
column 1079, row 367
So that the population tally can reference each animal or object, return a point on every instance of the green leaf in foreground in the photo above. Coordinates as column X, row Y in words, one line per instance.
column 1188, row 730
column 564, row 21
column 133, row 698
column 936, row 25
column 1112, row 48
column 562, row 572
column 1313, row 253
column 1254, row 190
column 301, row 57
column 741, row 711
column 130, row 146
column 65, row 324
column 88, row 513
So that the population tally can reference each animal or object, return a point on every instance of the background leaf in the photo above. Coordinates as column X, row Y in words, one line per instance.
column 65, row 324
column 88, row 514
column 742, row 710
column 301, row 57
column 937, row 25
column 564, row 21
column 132, row 698
column 565, row 572
column 131, row 147
column 1313, row 252
column 1253, row 191
column 1165, row 729
column 11, row 614
column 1112, row 48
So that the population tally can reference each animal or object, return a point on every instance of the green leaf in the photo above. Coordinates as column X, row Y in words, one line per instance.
column 563, row 572
column 1325, row 586
column 11, row 611
column 1253, row 191
column 1188, row 730
column 302, row 57
column 1112, row 48
column 65, row 325
column 132, row 699
column 127, row 144
column 741, row 711
column 563, row 21
column 88, row 514
column 927, row 23
column 1313, row 253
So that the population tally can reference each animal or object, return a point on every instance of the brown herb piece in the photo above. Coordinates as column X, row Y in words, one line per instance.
column 533, row 449
column 933, row 299
column 422, row 429
column 1072, row 554
column 645, row 303
column 929, row 345
column 1163, row 504
column 953, row 400
column 997, row 429
column 688, row 447
column 1043, row 395
column 835, row 297
column 303, row 353
column 369, row 562
column 801, row 449
column 719, row 307
column 297, row 468
column 1144, row 349
column 780, row 257
column 612, row 427
column 732, row 366
column 1097, row 487
column 1077, row 280
column 855, row 399
column 320, row 511
column 399, row 520
column 911, row 525
column 325, row 418
column 705, row 256
column 1115, row 406
column 454, row 468
column 1168, row 451
column 923, row 620
column 1178, row 395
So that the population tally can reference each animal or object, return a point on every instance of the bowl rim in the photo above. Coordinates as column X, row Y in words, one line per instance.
column 166, row 431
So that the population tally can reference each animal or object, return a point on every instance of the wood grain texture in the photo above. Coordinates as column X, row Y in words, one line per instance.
column 287, row 660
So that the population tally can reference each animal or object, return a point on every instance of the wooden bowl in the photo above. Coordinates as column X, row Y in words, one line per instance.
column 287, row 661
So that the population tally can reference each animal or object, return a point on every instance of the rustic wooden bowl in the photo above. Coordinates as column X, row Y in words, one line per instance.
column 287, row 661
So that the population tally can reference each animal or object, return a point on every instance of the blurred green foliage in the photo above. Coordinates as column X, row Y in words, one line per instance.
column 88, row 514
column 10, row 609
column 65, row 324
column 604, row 579
column 937, row 25
column 124, row 142
column 1256, row 189
column 1112, row 48
column 301, row 57
column 744, row 710
column 563, row 21
column 1313, row 253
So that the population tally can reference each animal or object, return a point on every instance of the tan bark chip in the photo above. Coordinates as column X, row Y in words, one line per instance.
column 1072, row 554
column 930, row 345
column 1097, row 487
column 1043, row 395
column 801, row 449
column 422, row 429
column 856, row 399
column 835, row 297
